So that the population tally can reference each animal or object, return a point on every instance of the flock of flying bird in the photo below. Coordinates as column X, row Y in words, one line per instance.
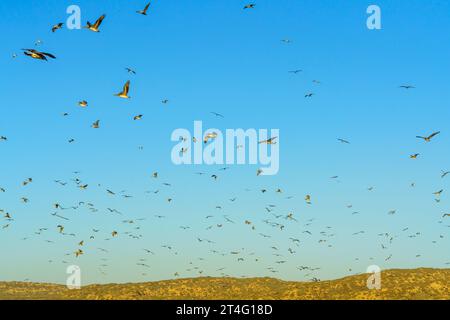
column 271, row 219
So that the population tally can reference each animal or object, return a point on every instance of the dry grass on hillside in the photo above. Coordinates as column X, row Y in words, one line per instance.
column 396, row 284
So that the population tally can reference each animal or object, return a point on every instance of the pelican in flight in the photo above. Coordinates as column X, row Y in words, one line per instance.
column 144, row 12
column 37, row 54
column 428, row 139
column 124, row 93
column 95, row 27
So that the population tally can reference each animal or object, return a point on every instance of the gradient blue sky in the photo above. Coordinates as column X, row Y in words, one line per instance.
column 210, row 55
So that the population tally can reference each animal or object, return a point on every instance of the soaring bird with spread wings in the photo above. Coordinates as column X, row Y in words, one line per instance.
column 428, row 139
column 37, row 54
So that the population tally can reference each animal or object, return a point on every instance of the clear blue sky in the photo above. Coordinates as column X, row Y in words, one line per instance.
column 206, row 56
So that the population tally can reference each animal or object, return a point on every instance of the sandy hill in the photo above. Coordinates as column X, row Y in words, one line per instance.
column 396, row 284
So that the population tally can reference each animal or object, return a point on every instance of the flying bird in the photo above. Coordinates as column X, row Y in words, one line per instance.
column 95, row 27
column 83, row 103
column 428, row 139
column 78, row 253
column 308, row 199
column 124, row 93
column 57, row 26
column 210, row 136
column 269, row 141
column 38, row 54
column 217, row 114
column 96, row 124
column 129, row 70
column 343, row 141
column 144, row 12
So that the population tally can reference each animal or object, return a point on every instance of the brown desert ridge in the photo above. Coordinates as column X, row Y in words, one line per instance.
column 396, row 284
